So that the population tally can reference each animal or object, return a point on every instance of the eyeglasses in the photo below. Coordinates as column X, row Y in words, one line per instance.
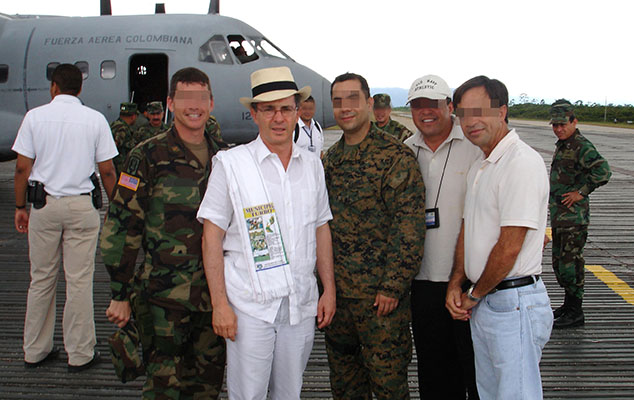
column 270, row 111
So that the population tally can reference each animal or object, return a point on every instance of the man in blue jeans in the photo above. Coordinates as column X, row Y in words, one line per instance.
column 500, row 248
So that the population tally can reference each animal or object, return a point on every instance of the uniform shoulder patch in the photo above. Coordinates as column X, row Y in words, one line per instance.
column 133, row 164
column 129, row 181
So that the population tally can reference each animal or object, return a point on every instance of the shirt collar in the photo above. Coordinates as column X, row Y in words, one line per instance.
column 261, row 151
column 302, row 124
column 66, row 98
column 507, row 141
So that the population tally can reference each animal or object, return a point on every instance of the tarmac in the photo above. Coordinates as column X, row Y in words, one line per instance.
column 595, row 361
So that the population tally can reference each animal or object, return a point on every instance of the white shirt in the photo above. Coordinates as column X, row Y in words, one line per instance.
column 508, row 188
column 66, row 139
column 305, row 134
column 300, row 210
column 440, row 242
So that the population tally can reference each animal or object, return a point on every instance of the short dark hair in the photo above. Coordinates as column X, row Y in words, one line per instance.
column 68, row 79
column 495, row 89
column 189, row 75
column 349, row 76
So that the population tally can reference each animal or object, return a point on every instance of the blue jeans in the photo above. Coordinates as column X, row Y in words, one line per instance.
column 509, row 329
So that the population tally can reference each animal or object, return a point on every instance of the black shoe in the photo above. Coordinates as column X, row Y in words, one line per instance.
column 572, row 317
column 78, row 368
column 50, row 356
column 559, row 311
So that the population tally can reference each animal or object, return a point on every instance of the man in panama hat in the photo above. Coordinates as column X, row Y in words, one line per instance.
column 265, row 216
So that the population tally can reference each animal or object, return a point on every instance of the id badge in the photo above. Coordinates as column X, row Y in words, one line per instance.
column 432, row 218
column 312, row 148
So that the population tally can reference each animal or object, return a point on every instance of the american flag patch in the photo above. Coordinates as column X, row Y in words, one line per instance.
column 129, row 181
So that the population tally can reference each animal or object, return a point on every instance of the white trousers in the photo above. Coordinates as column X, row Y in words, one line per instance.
column 68, row 226
column 264, row 352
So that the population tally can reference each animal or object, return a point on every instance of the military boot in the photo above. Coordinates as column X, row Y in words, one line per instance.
column 559, row 311
column 571, row 317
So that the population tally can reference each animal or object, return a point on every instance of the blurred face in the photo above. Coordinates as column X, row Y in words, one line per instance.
column 307, row 111
column 432, row 117
column 155, row 119
column 276, row 120
column 382, row 115
column 482, row 123
column 350, row 106
column 564, row 131
column 191, row 106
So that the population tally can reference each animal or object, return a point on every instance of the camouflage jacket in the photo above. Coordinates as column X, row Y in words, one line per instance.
column 377, row 198
column 148, row 131
column 154, row 207
column 396, row 129
column 576, row 166
column 212, row 128
column 125, row 139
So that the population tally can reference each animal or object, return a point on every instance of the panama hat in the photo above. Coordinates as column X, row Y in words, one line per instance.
column 270, row 84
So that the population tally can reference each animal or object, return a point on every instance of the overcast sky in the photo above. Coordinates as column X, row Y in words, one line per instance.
column 580, row 49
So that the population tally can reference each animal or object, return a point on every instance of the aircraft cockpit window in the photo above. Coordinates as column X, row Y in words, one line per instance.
column 215, row 50
column 4, row 73
column 83, row 67
column 50, row 68
column 108, row 69
column 267, row 48
column 242, row 49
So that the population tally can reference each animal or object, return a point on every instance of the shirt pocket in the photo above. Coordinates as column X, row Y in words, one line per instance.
column 181, row 199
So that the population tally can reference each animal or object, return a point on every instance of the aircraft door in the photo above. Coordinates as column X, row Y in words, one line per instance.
column 148, row 79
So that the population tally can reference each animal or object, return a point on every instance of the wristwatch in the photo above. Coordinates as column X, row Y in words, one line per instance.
column 471, row 296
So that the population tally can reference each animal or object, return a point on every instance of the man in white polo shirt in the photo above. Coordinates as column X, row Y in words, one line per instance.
column 500, row 248
column 308, row 133
column 444, row 155
column 58, row 145
column 265, row 217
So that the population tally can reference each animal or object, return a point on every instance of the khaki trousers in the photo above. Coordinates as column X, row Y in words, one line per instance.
column 66, row 227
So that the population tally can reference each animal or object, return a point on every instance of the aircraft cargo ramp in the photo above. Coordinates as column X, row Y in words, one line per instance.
column 592, row 362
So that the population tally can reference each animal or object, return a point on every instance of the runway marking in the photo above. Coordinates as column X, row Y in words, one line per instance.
column 549, row 232
column 613, row 282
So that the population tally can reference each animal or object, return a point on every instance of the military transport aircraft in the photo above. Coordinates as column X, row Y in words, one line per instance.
column 132, row 57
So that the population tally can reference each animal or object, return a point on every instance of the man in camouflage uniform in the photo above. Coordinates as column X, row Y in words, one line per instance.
column 577, row 169
column 123, row 133
column 377, row 197
column 154, row 206
column 154, row 113
column 382, row 111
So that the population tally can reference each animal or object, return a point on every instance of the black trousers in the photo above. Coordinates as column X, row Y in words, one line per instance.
column 444, row 349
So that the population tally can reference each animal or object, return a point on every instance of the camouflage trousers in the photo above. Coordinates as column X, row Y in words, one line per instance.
column 186, row 359
column 568, row 261
column 369, row 354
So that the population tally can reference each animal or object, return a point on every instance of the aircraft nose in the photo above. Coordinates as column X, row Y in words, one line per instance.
column 328, row 117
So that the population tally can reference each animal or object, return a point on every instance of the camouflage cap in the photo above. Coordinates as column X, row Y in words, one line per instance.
column 128, row 108
column 382, row 100
column 124, row 349
column 560, row 111
column 154, row 107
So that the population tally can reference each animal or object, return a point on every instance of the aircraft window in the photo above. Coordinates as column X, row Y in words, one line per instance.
column 4, row 73
column 83, row 67
column 108, row 69
column 268, row 48
column 242, row 49
column 50, row 68
column 215, row 50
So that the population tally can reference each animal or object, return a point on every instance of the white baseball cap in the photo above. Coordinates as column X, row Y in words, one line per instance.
column 430, row 87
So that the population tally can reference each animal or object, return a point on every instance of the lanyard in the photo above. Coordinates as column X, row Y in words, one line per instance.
column 309, row 132
column 442, row 176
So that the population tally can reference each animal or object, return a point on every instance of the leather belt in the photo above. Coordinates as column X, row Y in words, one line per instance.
column 517, row 282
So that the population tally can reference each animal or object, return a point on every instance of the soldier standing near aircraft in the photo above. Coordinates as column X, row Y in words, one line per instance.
column 154, row 207
column 382, row 111
column 377, row 199
column 123, row 133
column 154, row 113
column 443, row 345
column 576, row 171
column 58, row 145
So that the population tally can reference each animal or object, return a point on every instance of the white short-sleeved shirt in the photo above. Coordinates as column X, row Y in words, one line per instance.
column 65, row 139
column 440, row 242
column 307, row 132
column 300, row 210
column 508, row 188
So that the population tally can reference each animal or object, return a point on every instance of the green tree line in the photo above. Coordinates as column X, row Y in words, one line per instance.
column 585, row 112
